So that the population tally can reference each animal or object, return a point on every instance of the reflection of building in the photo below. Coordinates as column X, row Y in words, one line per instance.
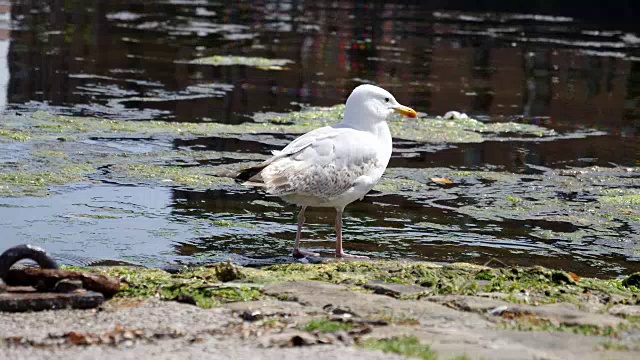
column 439, row 64
column 588, row 87
column 494, row 79
column 5, row 19
column 477, row 78
column 436, row 64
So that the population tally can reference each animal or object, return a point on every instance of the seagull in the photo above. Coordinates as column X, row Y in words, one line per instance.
column 335, row 165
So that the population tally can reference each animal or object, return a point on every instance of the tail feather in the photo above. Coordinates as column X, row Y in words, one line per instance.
column 251, row 176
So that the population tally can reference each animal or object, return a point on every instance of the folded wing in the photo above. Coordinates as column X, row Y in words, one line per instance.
column 322, row 163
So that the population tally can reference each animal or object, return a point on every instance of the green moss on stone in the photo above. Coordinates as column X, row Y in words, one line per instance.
column 325, row 326
column 226, row 282
column 201, row 286
column 408, row 346
column 535, row 324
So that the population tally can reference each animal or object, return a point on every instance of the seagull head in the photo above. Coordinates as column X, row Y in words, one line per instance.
column 372, row 104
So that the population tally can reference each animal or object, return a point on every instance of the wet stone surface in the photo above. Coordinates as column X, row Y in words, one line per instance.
column 126, row 158
column 321, row 310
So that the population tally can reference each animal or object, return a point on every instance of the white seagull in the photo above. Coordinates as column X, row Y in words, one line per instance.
column 336, row 165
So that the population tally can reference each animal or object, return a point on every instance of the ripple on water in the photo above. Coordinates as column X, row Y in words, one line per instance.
column 546, row 175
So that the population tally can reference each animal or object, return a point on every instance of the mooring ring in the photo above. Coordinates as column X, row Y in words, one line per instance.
column 24, row 251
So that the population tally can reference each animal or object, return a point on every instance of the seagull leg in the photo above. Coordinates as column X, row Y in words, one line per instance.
column 297, row 253
column 339, row 252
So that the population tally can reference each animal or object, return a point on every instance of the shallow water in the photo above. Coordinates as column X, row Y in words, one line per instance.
column 133, row 61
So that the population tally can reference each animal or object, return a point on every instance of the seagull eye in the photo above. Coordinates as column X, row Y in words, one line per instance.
column 386, row 99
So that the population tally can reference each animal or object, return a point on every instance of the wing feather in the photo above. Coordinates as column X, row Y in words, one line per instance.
column 324, row 164
column 252, row 175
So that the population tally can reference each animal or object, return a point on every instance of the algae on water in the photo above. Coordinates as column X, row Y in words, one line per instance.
column 41, row 125
column 604, row 205
column 423, row 129
column 32, row 182
column 15, row 135
column 603, row 219
column 257, row 62
column 57, row 144
column 173, row 175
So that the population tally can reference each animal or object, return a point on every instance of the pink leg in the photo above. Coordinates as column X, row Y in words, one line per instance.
column 339, row 252
column 297, row 253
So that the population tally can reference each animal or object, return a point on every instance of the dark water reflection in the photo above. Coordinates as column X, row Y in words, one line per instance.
column 125, row 60
column 78, row 54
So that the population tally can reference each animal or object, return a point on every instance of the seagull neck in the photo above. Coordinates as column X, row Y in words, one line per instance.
column 353, row 118
column 379, row 129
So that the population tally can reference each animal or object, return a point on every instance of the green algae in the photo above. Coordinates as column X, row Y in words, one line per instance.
column 431, row 130
column 535, row 324
column 461, row 357
column 187, row 176
column 327, row 326
column 14, row 135
column 94, row 216
column 230, row 223
column 441, row 131
column 318, row 116
column 46, row 161
column 394, row 185
column 224, row 282
column 614, row 345
column 603, row 205
column 49, row 154
column 42, row 125
column 408, row 346
column 628, row 199
column 203, row 287
column 346, row 272
column 27, row 182
column 606, row 209
column 230, row 60
column 545, row 286
column 513, row 199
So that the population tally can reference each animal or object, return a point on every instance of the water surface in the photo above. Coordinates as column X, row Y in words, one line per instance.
column 131, row 61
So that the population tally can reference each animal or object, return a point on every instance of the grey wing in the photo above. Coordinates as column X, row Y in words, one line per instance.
column 303, row 141
column 253, row 175
column 325, row 167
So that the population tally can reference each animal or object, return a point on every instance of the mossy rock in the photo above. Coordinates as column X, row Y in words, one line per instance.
column 215, row 284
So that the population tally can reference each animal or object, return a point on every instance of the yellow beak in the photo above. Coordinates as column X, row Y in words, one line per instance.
column 405, row 111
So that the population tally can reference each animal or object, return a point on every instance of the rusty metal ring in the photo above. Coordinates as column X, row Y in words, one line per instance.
column 19, row 252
